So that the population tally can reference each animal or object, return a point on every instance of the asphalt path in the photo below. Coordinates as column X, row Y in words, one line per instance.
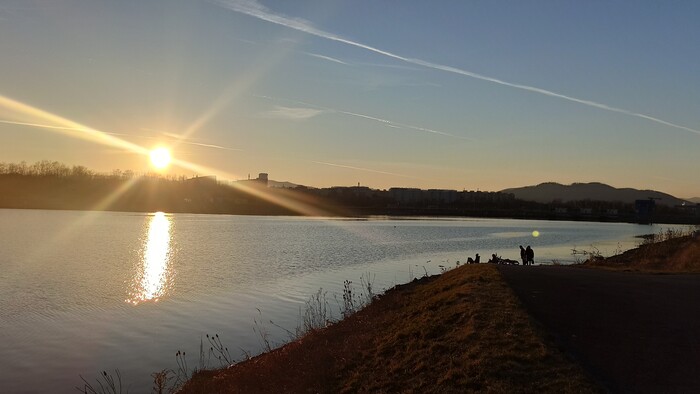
column 633, row 332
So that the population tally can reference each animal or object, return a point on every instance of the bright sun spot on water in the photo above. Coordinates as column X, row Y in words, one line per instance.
column 154, row 273
column 160, row 158
column 535, row 233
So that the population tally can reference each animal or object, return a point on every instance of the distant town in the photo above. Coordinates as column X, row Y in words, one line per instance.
column 52, row 185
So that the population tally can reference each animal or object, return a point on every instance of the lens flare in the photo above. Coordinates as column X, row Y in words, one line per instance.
column 535, row 233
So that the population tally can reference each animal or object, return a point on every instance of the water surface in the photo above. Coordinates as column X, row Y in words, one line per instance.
column 82, row 292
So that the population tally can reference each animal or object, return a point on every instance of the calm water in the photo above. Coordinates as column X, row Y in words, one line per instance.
column 82, row 292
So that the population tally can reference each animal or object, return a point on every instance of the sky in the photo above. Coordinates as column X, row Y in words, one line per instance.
column 473, row 95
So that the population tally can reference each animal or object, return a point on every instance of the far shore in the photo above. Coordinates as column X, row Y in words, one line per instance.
column 52, row 185
column 368, row 216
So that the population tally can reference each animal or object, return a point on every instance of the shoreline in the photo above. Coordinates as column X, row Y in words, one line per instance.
column 473, row 328
column 366, row 217
column 462, row 330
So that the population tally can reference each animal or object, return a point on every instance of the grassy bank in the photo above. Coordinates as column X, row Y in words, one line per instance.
column 461, row 331
column 664, row 252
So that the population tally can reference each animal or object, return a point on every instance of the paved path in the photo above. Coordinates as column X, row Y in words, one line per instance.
column 633, row 332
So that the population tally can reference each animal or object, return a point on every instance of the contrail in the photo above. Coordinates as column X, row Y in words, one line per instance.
column 212, row 146
column 185, row 140
column 256, row 10
column 364, row 169
column 385, row 122
column 45, row 126
column 399, row 125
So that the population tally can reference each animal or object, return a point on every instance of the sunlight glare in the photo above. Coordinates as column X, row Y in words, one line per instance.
column 33, row 116
column 160, row 158
column 152, row 280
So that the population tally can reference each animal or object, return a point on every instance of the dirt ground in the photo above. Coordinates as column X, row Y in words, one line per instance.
column 634, row 332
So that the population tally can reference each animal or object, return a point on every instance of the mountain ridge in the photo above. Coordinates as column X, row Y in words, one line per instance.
column 552, row 191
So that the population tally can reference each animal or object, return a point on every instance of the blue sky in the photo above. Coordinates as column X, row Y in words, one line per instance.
column 457, row 94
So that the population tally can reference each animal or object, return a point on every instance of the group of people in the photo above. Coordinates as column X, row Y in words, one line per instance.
column 527, row 255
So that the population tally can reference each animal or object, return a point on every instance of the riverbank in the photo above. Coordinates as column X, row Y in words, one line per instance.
column 460, row 331
column 470, row 330
column 659, row 253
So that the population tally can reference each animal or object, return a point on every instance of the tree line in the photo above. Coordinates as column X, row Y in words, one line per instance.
column 54, row 185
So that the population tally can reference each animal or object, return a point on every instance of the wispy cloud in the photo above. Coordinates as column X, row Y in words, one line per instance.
column 394, row 66
column 364, row 169
column 243, row 40
column 385, row 122
column 257, row 10
column 168, row 134
column 330, row 59
column 210, row 146
column 292, row 113
column 182, row 139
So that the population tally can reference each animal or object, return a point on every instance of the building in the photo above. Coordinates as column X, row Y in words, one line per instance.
column 644, row 210
column 260, row 181
column 199, row 181
column 404, row 195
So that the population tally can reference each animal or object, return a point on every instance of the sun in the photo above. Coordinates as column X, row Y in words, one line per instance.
column 160, row 158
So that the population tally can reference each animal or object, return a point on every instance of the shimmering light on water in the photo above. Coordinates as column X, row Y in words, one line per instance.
column 151, row 280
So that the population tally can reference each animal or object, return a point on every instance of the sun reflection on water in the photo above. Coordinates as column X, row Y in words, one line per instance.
column 152, row 276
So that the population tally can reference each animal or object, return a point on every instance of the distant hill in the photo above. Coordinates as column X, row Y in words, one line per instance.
column 694, row 199
column 550, row 191
column 281, row 184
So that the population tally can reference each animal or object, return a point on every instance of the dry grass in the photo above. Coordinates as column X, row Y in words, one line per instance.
column 462, row 331
column 680, row 254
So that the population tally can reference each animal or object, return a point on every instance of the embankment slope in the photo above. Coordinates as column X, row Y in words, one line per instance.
column 462, row 331
column 680, row 254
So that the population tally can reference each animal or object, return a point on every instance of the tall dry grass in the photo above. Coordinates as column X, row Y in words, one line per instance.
column 462, row 331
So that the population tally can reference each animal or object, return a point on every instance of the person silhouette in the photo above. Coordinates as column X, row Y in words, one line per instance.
column 530, row 254
column 475, row 260
column 523, row 255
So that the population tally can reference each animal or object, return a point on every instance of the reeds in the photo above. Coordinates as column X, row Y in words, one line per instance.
column 316, row 314
column 106, row 384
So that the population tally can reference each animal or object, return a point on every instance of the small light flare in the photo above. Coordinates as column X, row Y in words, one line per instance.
column 535, row 233
column 160, row 158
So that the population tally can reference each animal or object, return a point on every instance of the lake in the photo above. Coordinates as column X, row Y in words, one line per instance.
column 83, row 292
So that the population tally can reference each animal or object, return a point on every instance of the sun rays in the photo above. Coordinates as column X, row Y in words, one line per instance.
column 27, row 115
column 30, row 115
